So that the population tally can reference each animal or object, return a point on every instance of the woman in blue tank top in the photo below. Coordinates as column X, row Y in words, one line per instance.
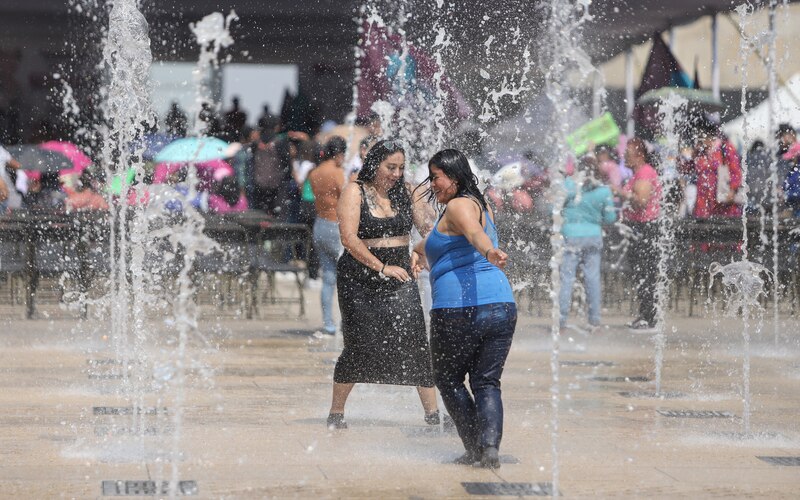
column 473, row 314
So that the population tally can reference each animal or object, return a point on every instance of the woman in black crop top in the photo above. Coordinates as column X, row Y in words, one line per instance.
column 385, row 341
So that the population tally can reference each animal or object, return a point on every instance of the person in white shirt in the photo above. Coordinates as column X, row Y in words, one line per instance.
column 14, row 200
column 352, row 168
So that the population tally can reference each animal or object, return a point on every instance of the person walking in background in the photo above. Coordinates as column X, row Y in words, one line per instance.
column 473, row 315
column 385, row 341
column 327, row 181
column 588, row 206
column 641, row 196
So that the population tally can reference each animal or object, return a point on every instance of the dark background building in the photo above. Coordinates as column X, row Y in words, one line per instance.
column 43, row 41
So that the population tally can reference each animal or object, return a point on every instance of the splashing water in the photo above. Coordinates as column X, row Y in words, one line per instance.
column 212, row 34
column 127, row 60
column 561, row 59
column 671, row 111
column 743, row 285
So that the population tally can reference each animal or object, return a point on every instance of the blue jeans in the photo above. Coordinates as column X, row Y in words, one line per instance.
column 584, row 251
column 328, row 246
column 473, row 341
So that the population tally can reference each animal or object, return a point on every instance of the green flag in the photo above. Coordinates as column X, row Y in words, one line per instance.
column 601, row 130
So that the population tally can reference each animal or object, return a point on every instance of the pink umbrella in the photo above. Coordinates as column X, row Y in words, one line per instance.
column 206, row 172
column 78, row 158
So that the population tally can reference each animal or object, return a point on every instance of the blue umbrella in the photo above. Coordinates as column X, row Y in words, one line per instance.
column 152, row 144
column 192, row 149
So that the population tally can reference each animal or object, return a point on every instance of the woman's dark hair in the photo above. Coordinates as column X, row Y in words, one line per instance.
column 398, row 194
column 335, row 146
column 454, row 164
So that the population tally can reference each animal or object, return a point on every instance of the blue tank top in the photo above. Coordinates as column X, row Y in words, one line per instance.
column 460, row 275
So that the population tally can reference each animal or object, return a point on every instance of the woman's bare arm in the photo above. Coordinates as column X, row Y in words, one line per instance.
column 423, row 213
column 349, row 212
column 463, row 218
column 641, row 193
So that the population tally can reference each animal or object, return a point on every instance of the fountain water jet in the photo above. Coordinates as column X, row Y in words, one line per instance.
column 671, row 110
column 561, row 58
column 744, row 286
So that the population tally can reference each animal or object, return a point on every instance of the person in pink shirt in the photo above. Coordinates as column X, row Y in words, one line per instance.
column 641, row 196
column 712, row 152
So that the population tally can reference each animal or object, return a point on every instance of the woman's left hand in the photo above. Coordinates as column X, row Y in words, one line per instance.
column 418, row 263
column 497, row 257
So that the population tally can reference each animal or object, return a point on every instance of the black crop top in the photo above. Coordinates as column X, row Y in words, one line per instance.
column 371, row 227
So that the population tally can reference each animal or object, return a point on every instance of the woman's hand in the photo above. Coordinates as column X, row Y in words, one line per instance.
column 418, row 263
column 397, row 273
column 497, row 257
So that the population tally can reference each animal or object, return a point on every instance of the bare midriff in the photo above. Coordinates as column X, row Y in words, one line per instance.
column 395, row 241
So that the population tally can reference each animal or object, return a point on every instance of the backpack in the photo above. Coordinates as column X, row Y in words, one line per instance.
column 267, row 171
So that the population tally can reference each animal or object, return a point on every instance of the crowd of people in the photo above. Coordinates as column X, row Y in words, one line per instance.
column 707, row 182
column 364, row 215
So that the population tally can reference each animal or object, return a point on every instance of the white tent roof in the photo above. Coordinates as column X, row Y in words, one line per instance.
column 787, row 110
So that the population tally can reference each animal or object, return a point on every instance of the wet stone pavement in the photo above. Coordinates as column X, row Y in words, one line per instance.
column 257, row 394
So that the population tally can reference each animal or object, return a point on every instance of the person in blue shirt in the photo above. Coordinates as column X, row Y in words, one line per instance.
column 589, row 205
column 473, row 315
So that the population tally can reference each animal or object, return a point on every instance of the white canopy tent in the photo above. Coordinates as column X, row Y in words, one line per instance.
column 787, row 110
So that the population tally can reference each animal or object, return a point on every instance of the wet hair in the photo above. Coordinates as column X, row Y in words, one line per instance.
column 367, row 119
column 454, row 164
column 367, row 141
column 335, row 146
column 398, row 194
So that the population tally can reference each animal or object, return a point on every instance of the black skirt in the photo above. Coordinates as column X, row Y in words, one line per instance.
column 385, row 341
